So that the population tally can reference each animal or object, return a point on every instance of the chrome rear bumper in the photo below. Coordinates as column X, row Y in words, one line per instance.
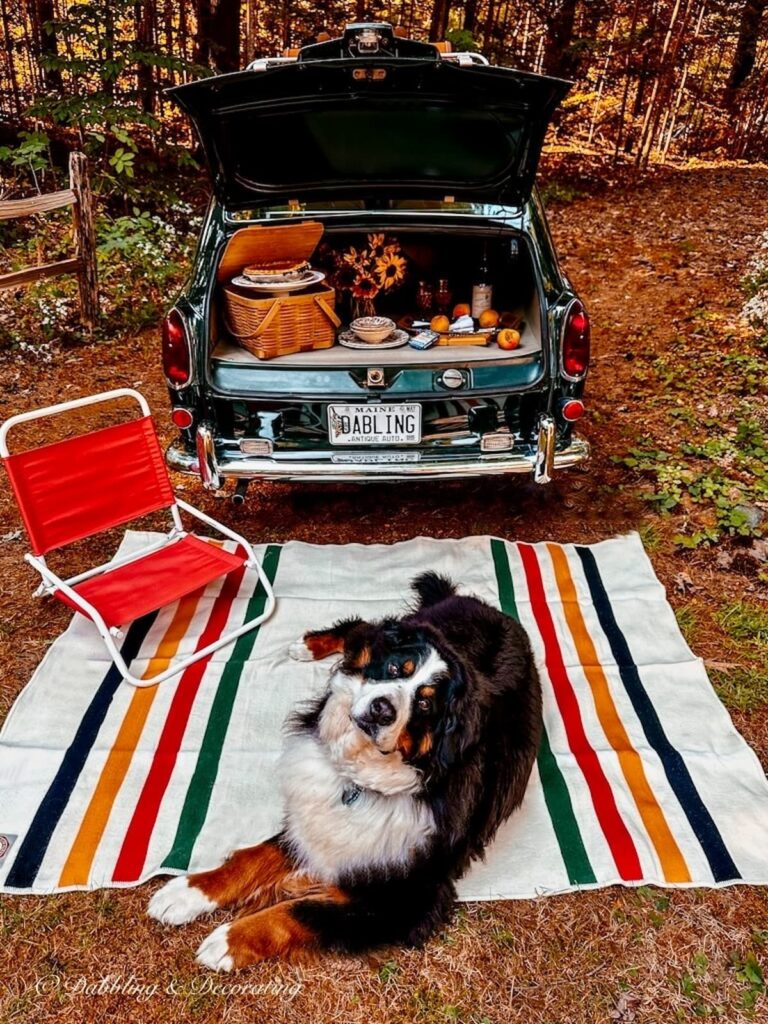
column 213, row 466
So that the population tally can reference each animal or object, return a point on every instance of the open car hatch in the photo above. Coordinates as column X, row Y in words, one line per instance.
column 370, row 127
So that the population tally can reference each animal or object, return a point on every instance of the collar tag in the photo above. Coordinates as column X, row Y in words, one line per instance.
column 350, row 794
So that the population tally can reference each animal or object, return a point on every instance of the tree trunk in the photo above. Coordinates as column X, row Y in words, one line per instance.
column 746, row 49
column 439, row 24
column 558, row 55
column 42, row 13
column 225, row 35
column 625, row 91
column 470, row 16
column 202, row 50
column 145, row 82
column 11, row 61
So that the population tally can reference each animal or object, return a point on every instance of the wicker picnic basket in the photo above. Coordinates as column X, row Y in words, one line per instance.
column 279, row 325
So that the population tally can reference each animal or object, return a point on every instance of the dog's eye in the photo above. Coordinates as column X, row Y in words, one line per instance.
column 393, row 670
column 424, row 704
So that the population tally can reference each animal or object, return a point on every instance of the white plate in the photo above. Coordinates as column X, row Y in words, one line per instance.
column 278, row 287
column 374, row 424
column 350, row 340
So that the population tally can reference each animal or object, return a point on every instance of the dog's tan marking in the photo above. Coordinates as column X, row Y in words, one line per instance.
column 323, row 644
column 363, row 657
column 427, row 691
column 409, row 667
column 252, row 874
column 275, row 932
column 426, row 744
column 404, row 743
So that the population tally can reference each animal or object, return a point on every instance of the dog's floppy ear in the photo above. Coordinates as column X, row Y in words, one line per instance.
column 455, row 731
column 321, row 643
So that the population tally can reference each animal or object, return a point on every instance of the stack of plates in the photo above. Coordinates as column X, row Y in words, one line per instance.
column 350, row 340
column 277, row 283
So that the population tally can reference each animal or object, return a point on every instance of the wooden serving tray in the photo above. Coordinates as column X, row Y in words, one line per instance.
column 481, row 338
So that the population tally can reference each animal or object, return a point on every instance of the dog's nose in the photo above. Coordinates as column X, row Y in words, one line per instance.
column 380, row 712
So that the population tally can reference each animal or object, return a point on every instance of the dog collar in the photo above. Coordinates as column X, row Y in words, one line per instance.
column 350, row 793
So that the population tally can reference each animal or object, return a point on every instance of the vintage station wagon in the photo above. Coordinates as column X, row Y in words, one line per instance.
column 380, row 140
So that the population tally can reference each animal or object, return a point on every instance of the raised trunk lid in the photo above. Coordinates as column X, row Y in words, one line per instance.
column 369, row 127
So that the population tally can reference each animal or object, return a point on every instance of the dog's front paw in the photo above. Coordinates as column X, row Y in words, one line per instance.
column 270, row 933
column 178, row 902
column 214, row 951
column 300, row 652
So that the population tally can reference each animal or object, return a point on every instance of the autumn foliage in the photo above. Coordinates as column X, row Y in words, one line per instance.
column 665, row 80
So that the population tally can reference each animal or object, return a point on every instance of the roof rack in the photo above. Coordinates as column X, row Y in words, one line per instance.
column 464, row 59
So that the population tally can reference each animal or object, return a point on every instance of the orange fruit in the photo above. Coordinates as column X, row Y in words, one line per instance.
column 441, row 324
column 462, row 309
column 508, row 338
column 488, row 318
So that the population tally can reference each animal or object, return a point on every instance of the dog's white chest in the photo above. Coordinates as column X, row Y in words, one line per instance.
column 330, row 837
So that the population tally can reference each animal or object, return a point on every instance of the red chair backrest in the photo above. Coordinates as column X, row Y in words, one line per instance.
column 74, row 488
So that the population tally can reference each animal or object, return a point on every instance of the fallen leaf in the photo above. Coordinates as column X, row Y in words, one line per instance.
column 684, row 583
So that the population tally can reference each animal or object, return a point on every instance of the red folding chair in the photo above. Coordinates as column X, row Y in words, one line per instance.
column 81, row 486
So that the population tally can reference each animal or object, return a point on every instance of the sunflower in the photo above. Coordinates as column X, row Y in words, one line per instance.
column 376, row 245
column 390, row 270
column 355, row 259
column 365, row 287
column 344, row 277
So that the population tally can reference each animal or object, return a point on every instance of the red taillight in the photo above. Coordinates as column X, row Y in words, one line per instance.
column 175, row 350
column 571, row 410
column 182, row 418
column 576, row 342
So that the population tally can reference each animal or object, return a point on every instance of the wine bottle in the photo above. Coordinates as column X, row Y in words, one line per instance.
column 482, row 291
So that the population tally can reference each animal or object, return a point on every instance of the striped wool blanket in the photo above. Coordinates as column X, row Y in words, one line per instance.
column 641, row 776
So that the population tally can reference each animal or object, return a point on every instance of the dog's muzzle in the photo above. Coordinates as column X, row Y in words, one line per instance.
column 378, row 715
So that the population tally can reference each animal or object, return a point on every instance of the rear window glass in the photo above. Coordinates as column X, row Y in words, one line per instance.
column 403, row 143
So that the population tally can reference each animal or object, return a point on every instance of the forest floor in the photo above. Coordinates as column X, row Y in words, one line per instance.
column 675, row 372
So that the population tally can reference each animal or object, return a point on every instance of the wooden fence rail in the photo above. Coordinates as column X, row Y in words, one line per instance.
column 79, row 197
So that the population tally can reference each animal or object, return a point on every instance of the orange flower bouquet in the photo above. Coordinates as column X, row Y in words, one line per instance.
column 363, row 273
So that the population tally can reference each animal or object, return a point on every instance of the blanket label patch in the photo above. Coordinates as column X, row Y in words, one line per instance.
column 6, row 842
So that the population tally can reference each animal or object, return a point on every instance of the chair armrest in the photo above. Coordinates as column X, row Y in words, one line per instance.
column 208, row 520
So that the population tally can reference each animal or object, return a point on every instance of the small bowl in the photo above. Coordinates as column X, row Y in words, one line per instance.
column 372, row 329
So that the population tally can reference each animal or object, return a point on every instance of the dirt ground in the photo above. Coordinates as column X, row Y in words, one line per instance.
column 645, row 258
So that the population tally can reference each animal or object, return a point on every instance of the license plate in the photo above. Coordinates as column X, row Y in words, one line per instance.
column 374, row 424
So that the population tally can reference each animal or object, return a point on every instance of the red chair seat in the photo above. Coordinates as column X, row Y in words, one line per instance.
column 160, row 578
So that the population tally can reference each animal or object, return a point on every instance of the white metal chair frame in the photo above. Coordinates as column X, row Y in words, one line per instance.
column 51, row 582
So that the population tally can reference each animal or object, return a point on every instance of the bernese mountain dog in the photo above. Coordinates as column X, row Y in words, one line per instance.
column 393, row 781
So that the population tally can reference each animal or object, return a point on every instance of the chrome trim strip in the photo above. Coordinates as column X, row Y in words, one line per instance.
column 206, row 464
column 544, row 463
column 242, row 468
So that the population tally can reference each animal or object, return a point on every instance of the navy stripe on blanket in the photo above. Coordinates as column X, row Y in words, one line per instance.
column 705, row 829
column 32, row 850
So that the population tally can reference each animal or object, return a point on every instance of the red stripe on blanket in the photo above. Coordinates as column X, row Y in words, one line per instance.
column 616, row 832
column 133, row 852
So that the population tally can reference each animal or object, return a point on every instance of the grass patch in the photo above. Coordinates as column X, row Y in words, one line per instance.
column 388, row 971
column 428, row 1008
column 687, row 621
column 744, row 621
column 650, row 537
column 750, row 974
column 742, row 689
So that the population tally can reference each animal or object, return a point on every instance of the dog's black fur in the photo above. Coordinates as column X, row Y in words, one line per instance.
column 485, row 731
column 460, row 682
